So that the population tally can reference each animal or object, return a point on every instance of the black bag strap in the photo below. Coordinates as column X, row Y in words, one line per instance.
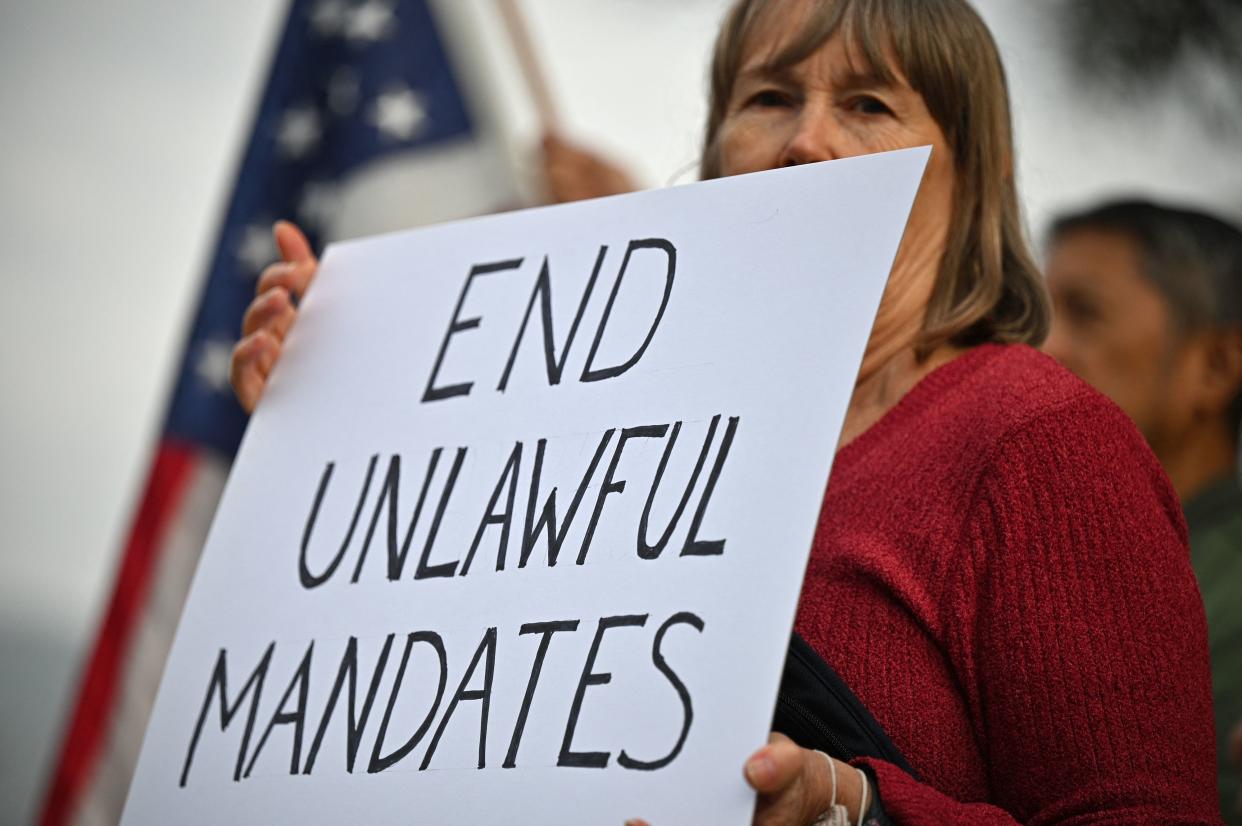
column 817, row 710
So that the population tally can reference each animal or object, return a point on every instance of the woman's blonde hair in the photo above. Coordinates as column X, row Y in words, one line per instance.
column 989, row 288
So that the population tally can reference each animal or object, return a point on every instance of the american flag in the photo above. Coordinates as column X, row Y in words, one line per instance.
column 366, row 124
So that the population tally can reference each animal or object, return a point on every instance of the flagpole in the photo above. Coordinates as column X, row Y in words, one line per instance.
column 529, row 64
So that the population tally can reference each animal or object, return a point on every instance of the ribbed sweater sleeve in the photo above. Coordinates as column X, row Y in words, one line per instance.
column 1077, row 634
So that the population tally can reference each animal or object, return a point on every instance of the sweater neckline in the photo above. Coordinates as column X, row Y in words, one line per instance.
column 919, row 397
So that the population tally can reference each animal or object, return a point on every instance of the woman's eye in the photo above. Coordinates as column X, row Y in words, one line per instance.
column 868, row 105
column 768, row 98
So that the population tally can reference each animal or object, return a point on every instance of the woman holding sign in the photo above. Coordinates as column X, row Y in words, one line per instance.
column 1000, row 573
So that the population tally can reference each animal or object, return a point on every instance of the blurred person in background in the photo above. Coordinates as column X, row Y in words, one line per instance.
column 1148, row 308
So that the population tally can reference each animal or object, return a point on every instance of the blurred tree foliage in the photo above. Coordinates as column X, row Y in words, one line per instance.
column 1139, row 49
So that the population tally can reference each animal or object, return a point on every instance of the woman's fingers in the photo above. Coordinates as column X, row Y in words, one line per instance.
column 294, row 277
column 775, row 766
column 292, row 242
column 775, row 771
column 271, row 314
column 273, row 311
column 253, row 358
column 297, row 265
column 792, row 783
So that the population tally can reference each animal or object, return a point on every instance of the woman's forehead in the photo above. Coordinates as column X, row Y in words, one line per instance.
column 787, row 33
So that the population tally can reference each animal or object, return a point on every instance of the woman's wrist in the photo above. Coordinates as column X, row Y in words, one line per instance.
column 846, row 786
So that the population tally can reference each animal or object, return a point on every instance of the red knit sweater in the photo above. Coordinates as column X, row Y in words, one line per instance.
column 1001, row 574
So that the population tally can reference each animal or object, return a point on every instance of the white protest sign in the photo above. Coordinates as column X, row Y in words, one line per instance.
column 518, row 531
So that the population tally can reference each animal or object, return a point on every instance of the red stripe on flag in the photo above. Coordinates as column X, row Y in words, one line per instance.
column 97, row 691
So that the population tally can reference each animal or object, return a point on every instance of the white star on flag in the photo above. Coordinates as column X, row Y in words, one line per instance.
column 399, row 113
column 299, row 131
column 211, row 366
column 318, row 204
column 373, row 20
column 328, row 17
column 257, row 249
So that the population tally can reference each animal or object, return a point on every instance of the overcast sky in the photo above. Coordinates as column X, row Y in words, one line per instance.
column 122, row 124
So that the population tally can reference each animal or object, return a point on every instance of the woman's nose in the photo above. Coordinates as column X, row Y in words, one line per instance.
column 815, row 137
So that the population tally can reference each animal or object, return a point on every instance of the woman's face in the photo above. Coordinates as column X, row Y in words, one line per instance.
column 829, row 106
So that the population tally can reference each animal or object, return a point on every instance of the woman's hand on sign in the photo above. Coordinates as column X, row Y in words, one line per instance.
column 271, row 314
column 795, row 784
